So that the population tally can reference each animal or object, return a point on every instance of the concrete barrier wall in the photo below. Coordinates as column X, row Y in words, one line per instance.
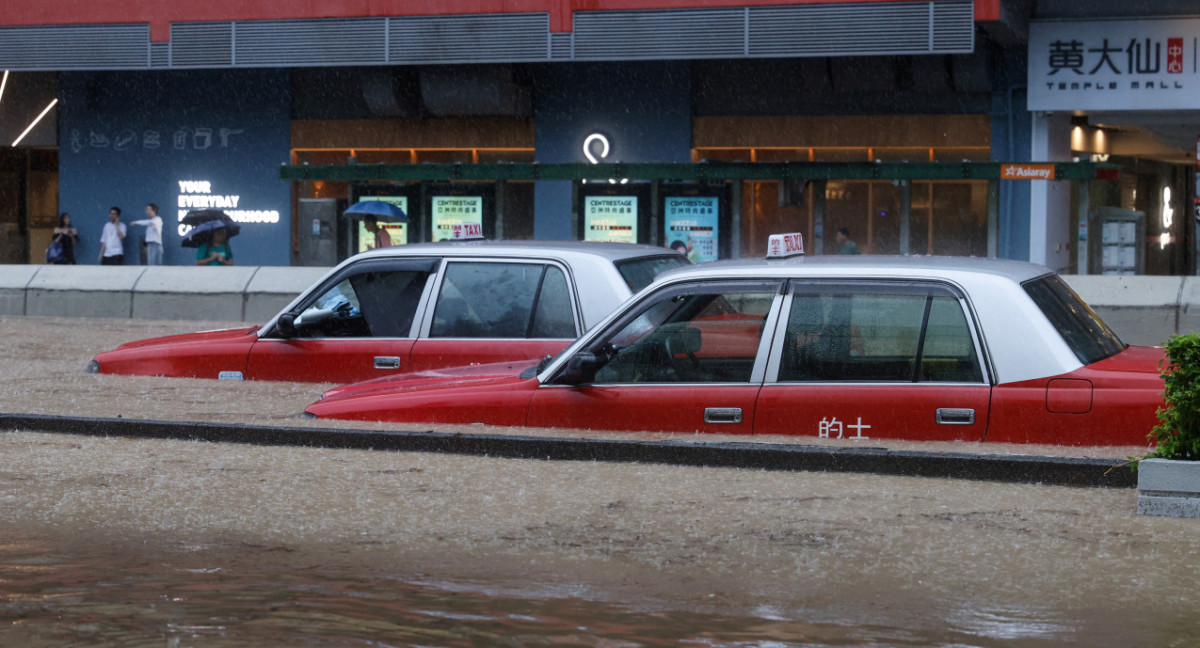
column 1142, row 310
column 228, row 294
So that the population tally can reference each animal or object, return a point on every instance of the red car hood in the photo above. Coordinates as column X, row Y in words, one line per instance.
column 204, row 336
column 469, row 376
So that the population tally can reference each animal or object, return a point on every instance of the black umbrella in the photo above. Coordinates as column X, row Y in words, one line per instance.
column 200, row 219
column 198, row 216
column 202, row 233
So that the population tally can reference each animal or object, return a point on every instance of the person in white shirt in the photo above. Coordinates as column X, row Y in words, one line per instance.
column 154, row 248
column 112, row 247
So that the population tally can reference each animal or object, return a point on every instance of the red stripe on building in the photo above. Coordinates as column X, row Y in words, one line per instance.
column 161, row 13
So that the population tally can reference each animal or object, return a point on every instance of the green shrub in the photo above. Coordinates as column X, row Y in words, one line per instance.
column 1177, row 436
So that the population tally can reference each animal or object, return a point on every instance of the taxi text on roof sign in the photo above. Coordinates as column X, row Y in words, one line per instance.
column 785, row 245
column 466, row 231
column 1027, row 172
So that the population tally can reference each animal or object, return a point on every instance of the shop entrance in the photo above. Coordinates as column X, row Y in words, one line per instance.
column 907, row 204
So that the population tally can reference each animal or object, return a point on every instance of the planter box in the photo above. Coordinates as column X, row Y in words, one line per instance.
column 1169, row 488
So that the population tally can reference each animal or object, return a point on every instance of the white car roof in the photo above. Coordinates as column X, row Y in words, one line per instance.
column 940, row 267
column 608, row 251
column 1021, row 342
column 599, row 285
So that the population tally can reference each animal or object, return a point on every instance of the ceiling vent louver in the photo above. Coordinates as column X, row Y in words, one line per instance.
column 75, row 47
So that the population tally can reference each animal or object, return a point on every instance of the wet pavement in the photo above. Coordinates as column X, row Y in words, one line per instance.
column 143, row 542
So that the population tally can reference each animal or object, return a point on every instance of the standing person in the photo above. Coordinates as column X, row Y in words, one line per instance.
column 154, row 248
column 112, row 246
column 382, row 238
column 845, row 245
column 216, row 251
column 66, row 236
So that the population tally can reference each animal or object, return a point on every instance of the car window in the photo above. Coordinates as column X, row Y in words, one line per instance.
column 874, row 334
column 1080, row 327
column 368, row 304
column 553, row 317
column 705, row 336
column 639, row 273
column 503, row 300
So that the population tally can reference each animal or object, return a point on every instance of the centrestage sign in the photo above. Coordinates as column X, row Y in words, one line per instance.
column 397, row 232
column 690, row 226
column 448, row 211
column 610, row 218
column 1114, row 65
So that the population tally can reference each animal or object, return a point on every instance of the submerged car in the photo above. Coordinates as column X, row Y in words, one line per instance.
column 919, row 348
column 414, row 308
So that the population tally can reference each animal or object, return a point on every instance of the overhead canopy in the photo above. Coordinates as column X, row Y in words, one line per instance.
column 707, row 171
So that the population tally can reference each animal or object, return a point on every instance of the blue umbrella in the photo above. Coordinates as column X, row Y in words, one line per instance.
column 381, row 210
column 200, row 234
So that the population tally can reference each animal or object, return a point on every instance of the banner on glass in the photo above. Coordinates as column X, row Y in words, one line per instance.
column 398, row 232
column 610, row 218
column 448, row 211
column 690, row 226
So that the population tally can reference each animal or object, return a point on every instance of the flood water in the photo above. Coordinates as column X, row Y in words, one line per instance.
column 83, row 599
column 56, row 592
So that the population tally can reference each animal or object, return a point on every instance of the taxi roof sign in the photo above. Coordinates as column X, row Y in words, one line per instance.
column 466, row 232
column 781, row 246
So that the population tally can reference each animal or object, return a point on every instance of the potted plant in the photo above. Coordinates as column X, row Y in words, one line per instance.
column 1169, row 477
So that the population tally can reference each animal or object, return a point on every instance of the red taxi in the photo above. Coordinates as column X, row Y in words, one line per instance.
column 919, row 348
column 414, row 308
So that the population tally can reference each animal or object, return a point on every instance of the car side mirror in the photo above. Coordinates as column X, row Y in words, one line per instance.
column 286, row 325
column 581, row 368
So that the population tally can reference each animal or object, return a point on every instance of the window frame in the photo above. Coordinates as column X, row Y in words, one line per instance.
column 426, row 324
column 765, row 342
column 428, row 264
column 1084, row 350
column 897, row 286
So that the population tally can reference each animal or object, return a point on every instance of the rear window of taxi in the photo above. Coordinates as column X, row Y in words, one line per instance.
column 639, row 273
column 1088, row 336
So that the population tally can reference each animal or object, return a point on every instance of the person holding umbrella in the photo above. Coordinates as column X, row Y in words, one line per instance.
column 216, row 251
column 382, row 238
column 373, row 211
column 210, row 234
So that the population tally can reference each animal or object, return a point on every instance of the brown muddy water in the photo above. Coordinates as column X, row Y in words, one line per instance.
column 144, row 542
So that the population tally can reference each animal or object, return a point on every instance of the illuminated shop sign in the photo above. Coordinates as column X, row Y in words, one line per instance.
column 610, row 218
column 198, row 194
column 1027, row 172
column 1114, row 65
column 596, row 148
column 1166, row 219
column 448, row 211
column 690, row 226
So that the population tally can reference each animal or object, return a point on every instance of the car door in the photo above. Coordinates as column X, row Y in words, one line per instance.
column 356, row 326
column 689, row 358
column 875, row 359
column 495, row 310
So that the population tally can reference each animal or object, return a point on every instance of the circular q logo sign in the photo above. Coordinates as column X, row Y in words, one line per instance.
column 595, row 138
column 598, row 143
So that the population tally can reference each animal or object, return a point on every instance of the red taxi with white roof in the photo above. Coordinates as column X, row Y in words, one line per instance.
column 414, row 308
column 862, row 347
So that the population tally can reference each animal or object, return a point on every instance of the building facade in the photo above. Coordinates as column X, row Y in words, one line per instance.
column 198, row 107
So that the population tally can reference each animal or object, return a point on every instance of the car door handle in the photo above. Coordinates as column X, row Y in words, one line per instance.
column 955, row 416
column 387, row 362
column 722, row 415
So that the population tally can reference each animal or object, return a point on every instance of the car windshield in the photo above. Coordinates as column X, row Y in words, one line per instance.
column 638, row 273
column 1079, row 326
